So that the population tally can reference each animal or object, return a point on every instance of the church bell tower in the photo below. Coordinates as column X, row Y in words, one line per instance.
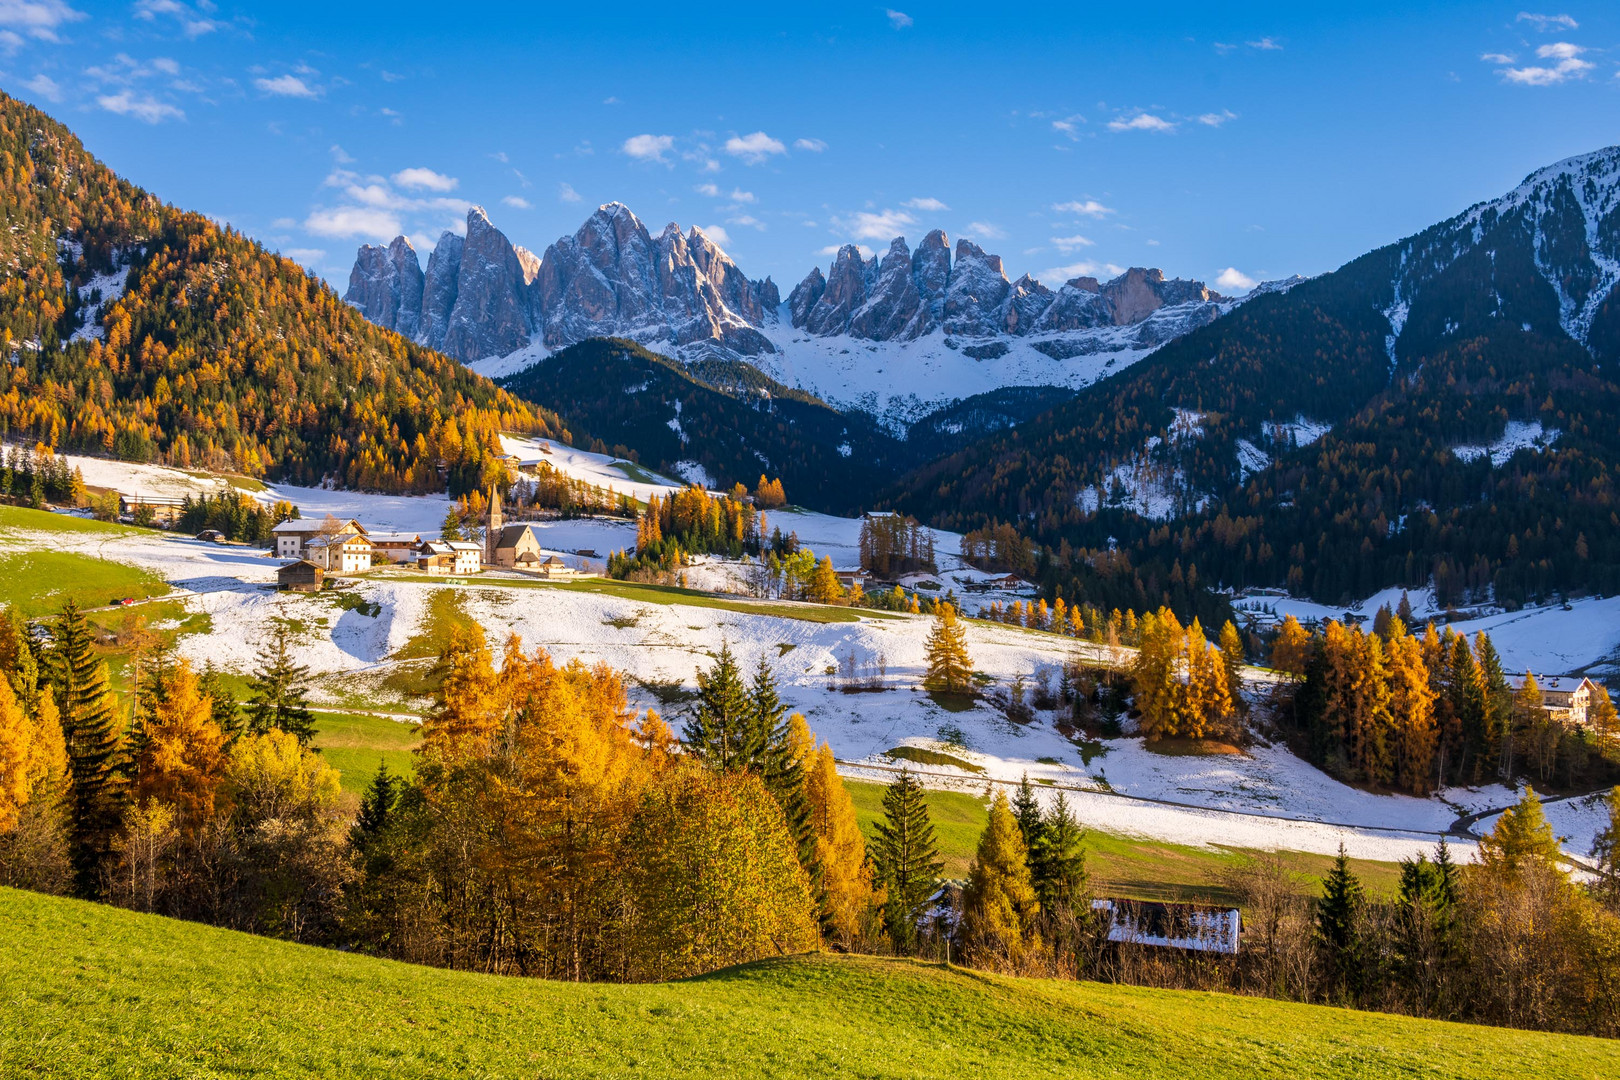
column 492, row 526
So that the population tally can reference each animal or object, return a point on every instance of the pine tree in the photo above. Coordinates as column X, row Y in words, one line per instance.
column 227, row 710
column 1057, row 861
column 999, row 904
column 94, row 744
column 1336, row 934
column 1498, row 705
column 376, row 809
column 1026, row 810
column 907, row 858
column 770, row 750
column 280, row 690
column 721, row 730
column 1521, row 836
column 949, row 668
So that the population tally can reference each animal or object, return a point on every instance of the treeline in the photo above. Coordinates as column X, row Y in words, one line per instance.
column 1383, row 499
column 1390, row 708
column 689, row 522
column 218, row 354
column 37, row 476
column 728, row 417
column 568, row 496
column 892, row 545
column 237, row 516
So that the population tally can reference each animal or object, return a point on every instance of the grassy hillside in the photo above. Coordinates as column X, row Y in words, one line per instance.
column 90, row 991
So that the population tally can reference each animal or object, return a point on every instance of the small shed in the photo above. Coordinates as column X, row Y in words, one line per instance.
column 212, row 536
column 301, row 576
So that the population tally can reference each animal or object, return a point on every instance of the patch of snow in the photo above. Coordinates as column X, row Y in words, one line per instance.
column 1517, row 435
column 1251, row 459
column 694, row 473
column 1302, row 431
column 844, row 449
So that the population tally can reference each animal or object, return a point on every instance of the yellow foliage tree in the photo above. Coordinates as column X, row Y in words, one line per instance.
column 16, row 751
column 949, row 667
column 999, row 905
column 846, row 876
column 181, row 760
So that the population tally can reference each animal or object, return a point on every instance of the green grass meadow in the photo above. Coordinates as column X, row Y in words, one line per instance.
column 36, row 583
column 354, row 744
column 88, row 991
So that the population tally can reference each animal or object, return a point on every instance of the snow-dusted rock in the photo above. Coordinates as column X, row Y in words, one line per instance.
column 386, row 285
column 439, row 290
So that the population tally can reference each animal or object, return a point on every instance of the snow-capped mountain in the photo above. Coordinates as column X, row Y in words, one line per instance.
column 896, row 335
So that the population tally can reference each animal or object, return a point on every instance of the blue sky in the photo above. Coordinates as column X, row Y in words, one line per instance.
column 1069, row 138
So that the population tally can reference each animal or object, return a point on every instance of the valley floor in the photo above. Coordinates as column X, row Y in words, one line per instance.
column 89, row 991
column 370, row 645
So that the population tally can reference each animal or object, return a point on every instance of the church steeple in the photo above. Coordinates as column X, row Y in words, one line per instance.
column 492, row 525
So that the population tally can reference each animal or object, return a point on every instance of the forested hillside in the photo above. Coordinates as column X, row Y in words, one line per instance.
column 1445, row 407
column 138, row 330
column 726, row 417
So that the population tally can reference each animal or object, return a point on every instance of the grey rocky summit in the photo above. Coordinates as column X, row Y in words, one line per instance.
column 482, row 296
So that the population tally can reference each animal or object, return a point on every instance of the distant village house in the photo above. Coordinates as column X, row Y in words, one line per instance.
column 301, row 576
column 1565, row 698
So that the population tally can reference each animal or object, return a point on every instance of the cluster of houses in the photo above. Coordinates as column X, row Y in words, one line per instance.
column 333, row 546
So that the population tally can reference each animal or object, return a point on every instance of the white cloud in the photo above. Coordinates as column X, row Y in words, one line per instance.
column 340, row 155
column 834, row 249
column 39, row 19
column 711, row 190
column 166, row 65
column 1141, row 122
column 353, row 221
column 648, row 147
column 738, row 195
column 754, row 148
column 192, row 23
column 144, row 108
column 986, row 231
column 1069, row 126
column 45, row 87
column 1548, row 23
column 421, row 179
column 1067, row 244
column 1234, row 280
column 928, row 205
column 898, row 19
column 815, row 146
column 1217, row 119
column 1569, row 66
column 305, row 256
column 1058, row 275
column 286, row 86
column 567, row 194
column 747, row 220
column 1265, row 44
column 1088, row 207
column 610, row 101
column 1497, row 58
column 516, row 202
column 717, row 233
column 883, row 225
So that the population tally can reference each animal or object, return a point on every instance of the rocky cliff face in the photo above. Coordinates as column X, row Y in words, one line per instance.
column 482, row 296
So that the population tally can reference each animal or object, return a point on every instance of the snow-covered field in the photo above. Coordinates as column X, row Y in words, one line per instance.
column 1266, row 798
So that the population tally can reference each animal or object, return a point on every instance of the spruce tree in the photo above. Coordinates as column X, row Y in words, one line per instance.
column 1336, row 934
column 1057, row 861
column 376, row 809
column 1498, row 705
column 723, row 728
column 227, row 710
column 1606, row 850
column 769, row 750
column 907, row 858
column 280, row 690
column 1026, row 809
column 95, row 748
column 949, row 667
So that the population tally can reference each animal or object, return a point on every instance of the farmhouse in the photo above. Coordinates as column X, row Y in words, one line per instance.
column 301, row 576
column 435, row 557
column 291, row 536
column 468, row 557
column 1564, row 697
column 164, row 507
column 396, row 547
column 340, row 553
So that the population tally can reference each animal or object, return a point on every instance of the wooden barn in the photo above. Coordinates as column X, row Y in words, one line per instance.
column 301, row 576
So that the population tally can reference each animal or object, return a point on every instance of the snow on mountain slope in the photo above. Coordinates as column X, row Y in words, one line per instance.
column 895, row 337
